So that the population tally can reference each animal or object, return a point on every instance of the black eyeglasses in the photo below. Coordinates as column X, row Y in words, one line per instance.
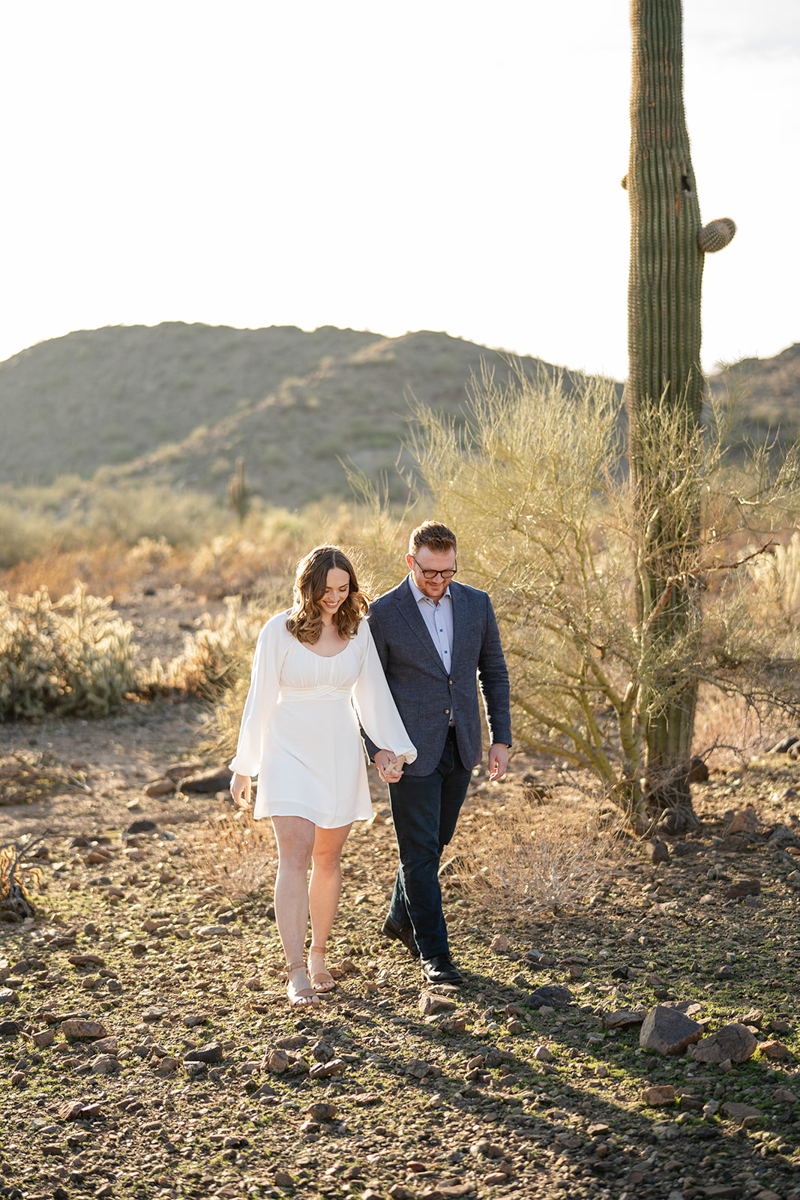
column 431, row 575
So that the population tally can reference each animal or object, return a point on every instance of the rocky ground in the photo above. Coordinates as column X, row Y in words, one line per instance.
column 146, row 1047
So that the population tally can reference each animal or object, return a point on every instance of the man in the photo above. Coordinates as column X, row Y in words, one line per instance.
column 434, row 636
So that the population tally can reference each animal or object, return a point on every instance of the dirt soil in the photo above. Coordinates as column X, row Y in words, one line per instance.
column 487, row 1096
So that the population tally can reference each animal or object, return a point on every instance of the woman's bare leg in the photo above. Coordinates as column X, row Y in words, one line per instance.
column 323, row 894
column 295, row 838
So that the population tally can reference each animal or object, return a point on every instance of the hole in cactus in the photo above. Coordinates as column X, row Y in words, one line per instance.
column 685, row 183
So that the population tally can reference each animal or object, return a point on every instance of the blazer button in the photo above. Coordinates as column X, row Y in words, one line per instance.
column 447, row 712
column 450, row 681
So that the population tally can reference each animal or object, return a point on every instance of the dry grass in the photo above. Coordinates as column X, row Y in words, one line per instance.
column 25, row 779
column 533, row 857
column 236, row 856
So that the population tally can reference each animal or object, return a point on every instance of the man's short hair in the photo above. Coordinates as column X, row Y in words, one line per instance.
column 434, row 535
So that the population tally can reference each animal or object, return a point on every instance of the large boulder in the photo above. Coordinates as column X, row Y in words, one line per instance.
column 668, row 1031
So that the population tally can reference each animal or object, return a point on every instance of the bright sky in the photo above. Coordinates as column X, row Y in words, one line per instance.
column 431, row 164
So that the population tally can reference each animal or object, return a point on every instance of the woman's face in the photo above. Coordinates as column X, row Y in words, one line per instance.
column 337, row 589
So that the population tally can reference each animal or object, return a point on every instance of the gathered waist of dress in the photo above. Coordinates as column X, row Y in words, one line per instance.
column 323, row 692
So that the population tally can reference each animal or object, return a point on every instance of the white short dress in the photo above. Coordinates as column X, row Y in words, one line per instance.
column 300, row 727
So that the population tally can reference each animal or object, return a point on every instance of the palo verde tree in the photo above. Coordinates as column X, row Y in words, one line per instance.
column 665, row 389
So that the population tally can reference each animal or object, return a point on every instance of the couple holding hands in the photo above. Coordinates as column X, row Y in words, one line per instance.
column 405, row 672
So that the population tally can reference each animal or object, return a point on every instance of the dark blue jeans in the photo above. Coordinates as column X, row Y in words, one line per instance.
column 425, row 810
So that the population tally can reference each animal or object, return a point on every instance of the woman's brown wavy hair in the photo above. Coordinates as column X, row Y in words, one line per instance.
column 310, row 582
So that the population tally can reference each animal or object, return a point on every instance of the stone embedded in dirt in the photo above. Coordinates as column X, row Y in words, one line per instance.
column 738, row 1112
column 734, row 1042
column 499, row 944
column 417, row 1068
column 195, row 1069
column 277, row 1061
column 283, row 1179
column 108, row 1045
column 206, row 782
column 430, row 1004
column 551, row 995
column 167, row 1066
column 742, row 820
column 398, row 1192
column 321, row 1112
column 542, row 1054
column 208, row 931
column 9, row 1028
column 143, row 825
column 86, row 960
column 192, row 1019
column 776, row 1025
column 655, row 1096
column 159, row 787
column 668, row 1031
column 754, row 1016
column 486, row 1149
column 45, row 1037
column 453, row 1025
column 323, row 1070
column 295, row 1041
column 323, row 1051
column 773, row 1049
column 784, row 1096
column 105, row 1064
column 308, row 1128
column 657, row 851
column 8, row 996
column 154, row 1013
column 210, row 1052
column 745, row 887
column 180, row 770
column 625, row 1016
column 362, row 1099
column 80, row 1029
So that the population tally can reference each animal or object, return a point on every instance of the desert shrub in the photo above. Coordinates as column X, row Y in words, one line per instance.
column 181, row 518
column 17, row 877
column 525, row 856
column 213, row 658
column 23, row 534
column 235, row 856
column 71, row 657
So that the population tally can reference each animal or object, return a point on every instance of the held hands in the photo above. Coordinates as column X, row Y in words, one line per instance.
column 498, row 760
column 240, row 790
column 390, row 769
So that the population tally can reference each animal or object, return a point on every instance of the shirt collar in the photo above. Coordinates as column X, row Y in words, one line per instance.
column 418, row 595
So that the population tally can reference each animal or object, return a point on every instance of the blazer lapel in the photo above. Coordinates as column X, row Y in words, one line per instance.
column 409, row 610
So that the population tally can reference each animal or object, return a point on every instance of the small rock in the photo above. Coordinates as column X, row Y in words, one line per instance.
column 773, row 1049
column 500, row 944
column 9, row 1028
column 295, row 1041
column 206, row 782
column 710, row 1109
column 784, row 744
column 141, row 826
column 80, row 1029
column 486, row 1149
column 160, row 787
column 323, row 1051
column 657, row 851
column 283, row 1179
column 323, row 1070
column 277, row 1061
column 195, row 1069
column 193, row 1019
column 745, row 887
column 668, row 1031
column 210, row 1052
column 398, row 1192
column 542, row 1054
column 550, row 996
column 321, row 1112
column 743, row 820
column 155, row 1013
column 453, row 1025
column 739, row 1112
column 45, row 1037
column 776, row 1025
column 417, row 1068
column 105, row 1064
column 430, row 1004
column 619, row 1020
column 8, row 996
column 734, row 1042
column 495, row 1178
column 659, row 1095
column 309, row 1127
column 784, row 1096
column 208, row 931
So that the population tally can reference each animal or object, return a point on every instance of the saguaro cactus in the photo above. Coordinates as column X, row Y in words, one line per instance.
column 238, row 491
column 665, row 384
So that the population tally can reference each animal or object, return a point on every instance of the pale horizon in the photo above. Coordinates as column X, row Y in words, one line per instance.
column 382, row 169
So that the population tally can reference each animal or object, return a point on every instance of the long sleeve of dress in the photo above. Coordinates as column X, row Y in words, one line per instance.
column 262, row 696
column 375, row 706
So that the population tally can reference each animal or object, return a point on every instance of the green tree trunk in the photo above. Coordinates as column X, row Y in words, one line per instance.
column 665, row 393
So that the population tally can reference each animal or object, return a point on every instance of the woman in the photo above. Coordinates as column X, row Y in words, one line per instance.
column 316, row 673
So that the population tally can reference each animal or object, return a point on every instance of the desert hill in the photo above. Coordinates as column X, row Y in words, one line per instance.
column 176, row 404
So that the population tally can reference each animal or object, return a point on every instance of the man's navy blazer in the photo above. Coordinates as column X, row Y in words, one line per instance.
column 425, row 693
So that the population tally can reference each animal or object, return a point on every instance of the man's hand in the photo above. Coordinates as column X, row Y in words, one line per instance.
column 498, row 760
column 240, row 790
column 389, row 769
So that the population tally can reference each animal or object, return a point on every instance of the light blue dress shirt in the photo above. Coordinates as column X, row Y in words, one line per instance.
column 438, row 619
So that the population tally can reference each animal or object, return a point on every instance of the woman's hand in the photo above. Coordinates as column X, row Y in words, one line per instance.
column 240, row 790
column 389, row 769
